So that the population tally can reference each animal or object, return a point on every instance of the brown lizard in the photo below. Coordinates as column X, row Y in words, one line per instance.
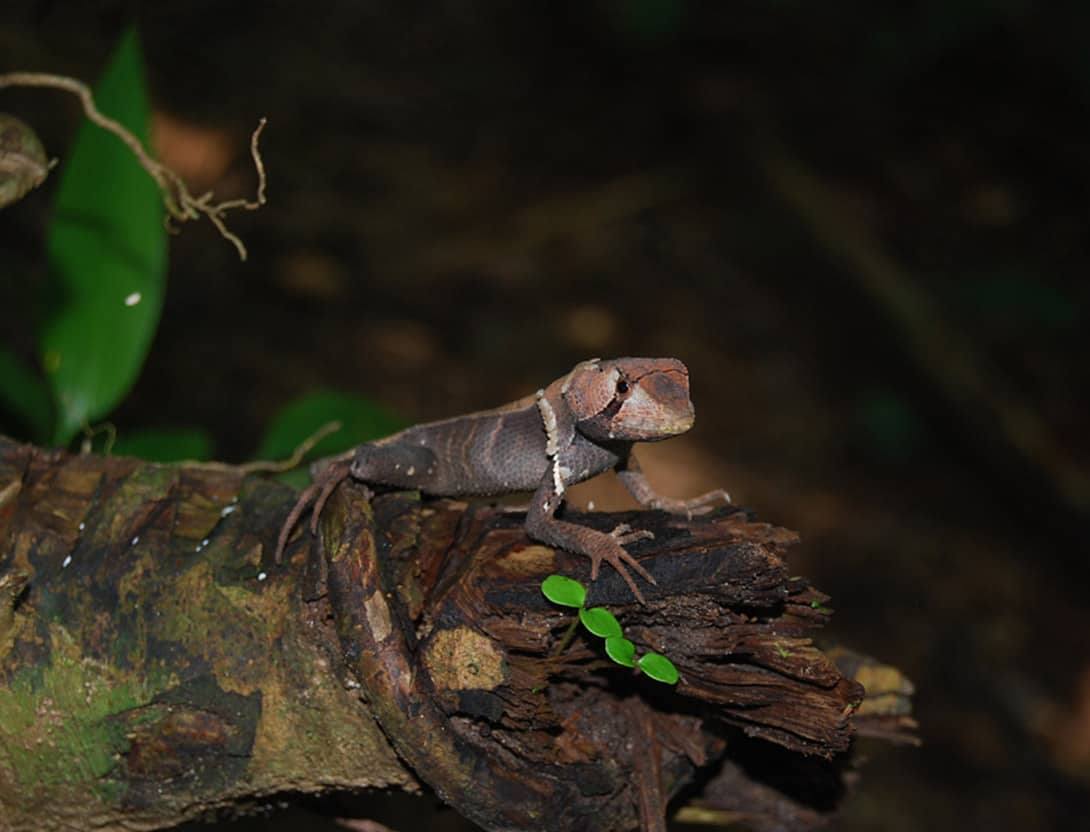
column 579, row 426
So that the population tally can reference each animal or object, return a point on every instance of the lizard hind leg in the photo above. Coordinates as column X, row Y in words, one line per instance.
column 330, row 479
column 293, row 517
column 325, row 481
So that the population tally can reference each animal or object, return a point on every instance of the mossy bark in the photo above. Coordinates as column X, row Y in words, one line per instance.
column 153, row 665
column 156, row 665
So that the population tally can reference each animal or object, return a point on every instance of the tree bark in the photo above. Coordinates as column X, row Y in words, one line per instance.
column 156, row 665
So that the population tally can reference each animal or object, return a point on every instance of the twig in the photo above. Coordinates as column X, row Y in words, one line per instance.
column 180, row 204
column 91, row 431
column 304, row 448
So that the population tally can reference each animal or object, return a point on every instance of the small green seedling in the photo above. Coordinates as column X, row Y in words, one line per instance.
column 622, row 651
column 564, row 591
column 658, row 667
column 567, row 592
column 601, row 622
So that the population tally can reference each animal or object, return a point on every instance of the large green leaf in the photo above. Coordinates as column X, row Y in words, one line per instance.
column 107, row 254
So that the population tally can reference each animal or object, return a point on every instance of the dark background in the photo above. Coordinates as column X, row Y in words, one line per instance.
column 466, row 198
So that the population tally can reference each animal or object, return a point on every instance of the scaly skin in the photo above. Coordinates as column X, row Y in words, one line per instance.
column 577, row 427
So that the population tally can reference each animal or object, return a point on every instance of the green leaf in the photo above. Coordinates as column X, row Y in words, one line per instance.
column 361, row 421
column 564, row 591
column 601, row 622
column 25, row 395
column 659, row 668
column 107, row 255
column 621, row 650
column 164, row 444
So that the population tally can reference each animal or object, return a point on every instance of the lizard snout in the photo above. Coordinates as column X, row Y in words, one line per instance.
column 658, row 408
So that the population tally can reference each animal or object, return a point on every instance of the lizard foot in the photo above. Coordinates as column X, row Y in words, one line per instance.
column 607, row 549
column 691, row 508
column 325, row 481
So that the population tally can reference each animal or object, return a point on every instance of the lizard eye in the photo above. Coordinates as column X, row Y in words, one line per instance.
column 622, row 387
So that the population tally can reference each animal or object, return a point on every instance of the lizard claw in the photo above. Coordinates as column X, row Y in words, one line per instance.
column 624, row 533
column 694, row 507
column 615, row 555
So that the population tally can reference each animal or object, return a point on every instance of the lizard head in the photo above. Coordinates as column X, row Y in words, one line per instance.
column 629, row 399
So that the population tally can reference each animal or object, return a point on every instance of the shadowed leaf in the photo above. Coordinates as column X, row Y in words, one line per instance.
column 24, row 394
column 165, row 444
column 361, row 421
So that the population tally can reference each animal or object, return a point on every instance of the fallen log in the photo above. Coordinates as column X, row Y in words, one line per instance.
column 156, row 665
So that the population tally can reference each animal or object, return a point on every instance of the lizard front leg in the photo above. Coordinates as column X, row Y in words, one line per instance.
column 632, row 478
column 598, row 546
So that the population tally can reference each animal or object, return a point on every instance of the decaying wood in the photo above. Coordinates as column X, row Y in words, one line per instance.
column 156, row 665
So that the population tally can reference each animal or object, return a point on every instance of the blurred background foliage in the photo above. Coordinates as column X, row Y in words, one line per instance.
column 862, row 225
column 106, row 250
